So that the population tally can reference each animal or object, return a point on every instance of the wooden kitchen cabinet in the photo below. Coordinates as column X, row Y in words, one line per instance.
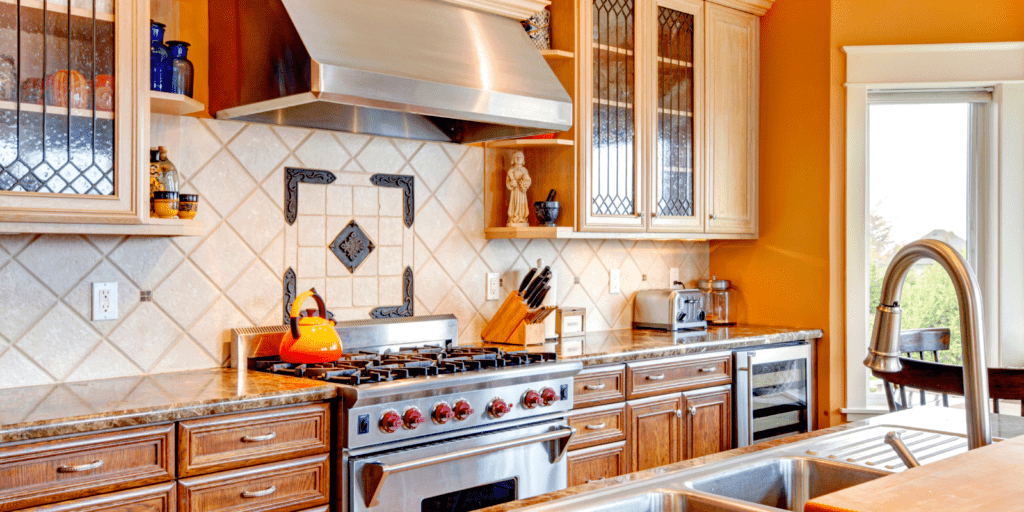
column 283, row 486
column 656, row 432
column 598, row 463
column 155, row 498
column 665, row 135
column 708, row 415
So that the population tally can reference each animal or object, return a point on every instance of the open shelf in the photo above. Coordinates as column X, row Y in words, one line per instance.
column 55, row 7
column 530, row 143
column 612, row 49
column 564, row 232
column 59, row 111
column 675, row 62
column 152, row 227
column 173, row 104
column 557, row 54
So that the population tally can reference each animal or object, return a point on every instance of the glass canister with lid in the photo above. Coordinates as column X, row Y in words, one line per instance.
column 719, row 300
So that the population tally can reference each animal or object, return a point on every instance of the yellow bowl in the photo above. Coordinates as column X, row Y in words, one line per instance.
column 187, row 209
column 165, row 208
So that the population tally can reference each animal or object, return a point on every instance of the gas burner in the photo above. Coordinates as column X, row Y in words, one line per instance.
column 404, row 363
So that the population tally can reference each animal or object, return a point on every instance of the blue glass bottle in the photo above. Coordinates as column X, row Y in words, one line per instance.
column 182, row 70
column 159, row 59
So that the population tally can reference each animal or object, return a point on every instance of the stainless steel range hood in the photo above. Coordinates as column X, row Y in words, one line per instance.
column 418, row 69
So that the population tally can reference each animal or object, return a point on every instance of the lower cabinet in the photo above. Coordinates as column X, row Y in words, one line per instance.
column 155, row 498
column 290, row 485
column 690, row 418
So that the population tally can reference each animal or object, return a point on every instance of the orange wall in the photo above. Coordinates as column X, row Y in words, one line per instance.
column 782, row 278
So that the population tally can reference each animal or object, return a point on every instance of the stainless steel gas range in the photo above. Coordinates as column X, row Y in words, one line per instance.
column 424, row 424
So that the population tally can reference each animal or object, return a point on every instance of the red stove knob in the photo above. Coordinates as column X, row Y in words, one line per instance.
column 390, row 422
column 443, row 413
column 531, row 399
column 499, row 408
column 548, row 396
column 414, row 418
column 463, row 410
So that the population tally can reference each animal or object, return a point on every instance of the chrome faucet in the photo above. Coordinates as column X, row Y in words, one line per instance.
column 884, row 353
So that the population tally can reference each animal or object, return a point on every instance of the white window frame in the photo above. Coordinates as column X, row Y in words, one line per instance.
column 1000, row 183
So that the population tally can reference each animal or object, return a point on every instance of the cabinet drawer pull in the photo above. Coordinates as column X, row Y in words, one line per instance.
column 258, row 494
column 598, row 426
column 656, row 377
column 256, row 439
column 596, row 480
column 80, row 468
column 595, row 387
column 708, row 369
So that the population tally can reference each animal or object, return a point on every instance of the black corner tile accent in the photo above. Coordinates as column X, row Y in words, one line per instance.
column 292, row 177
column 352, row 246
column 406, row 308
column 406, row 183
column 289, row 293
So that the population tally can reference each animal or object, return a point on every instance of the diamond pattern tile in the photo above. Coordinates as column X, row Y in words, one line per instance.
column 60, row 261
column 231, row 277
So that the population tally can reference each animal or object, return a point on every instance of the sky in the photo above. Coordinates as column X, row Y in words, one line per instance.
column 918, row 167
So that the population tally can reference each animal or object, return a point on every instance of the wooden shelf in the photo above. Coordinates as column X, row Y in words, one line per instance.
column 557, row 54
column 152, row 227
column 530, row 143
column 173, row 104
column 53, row 7
column 612, row 49
column 59, row 111
column 562, row 232
column 675, row 62
column 671, row 112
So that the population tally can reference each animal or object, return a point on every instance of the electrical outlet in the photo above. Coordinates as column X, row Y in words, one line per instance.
column 104, row 301
column 615, row 281
column 673, row 277
column 493, row 285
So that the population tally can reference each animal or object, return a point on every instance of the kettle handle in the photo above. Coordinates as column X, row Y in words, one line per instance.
column 293, row 318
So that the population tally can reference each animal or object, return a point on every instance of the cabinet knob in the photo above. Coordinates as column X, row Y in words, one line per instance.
column 714, row 216
column 639, row 213
column 679, row 413
column 693, row 410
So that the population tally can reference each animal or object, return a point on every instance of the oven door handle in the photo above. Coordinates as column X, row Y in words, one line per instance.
column 375, row 473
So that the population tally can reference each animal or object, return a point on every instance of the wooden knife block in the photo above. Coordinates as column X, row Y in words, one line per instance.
column 509, row 324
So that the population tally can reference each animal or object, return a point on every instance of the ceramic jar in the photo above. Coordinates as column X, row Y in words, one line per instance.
column 68, row 89
column 181, row 68
column 105, row 93
column 165, row 204
column 188, row 206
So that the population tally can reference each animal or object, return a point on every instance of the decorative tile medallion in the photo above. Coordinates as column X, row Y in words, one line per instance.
column 406, row 183
column 352, row 246
column 289, row 293
column 292, row 177
column 406, row 308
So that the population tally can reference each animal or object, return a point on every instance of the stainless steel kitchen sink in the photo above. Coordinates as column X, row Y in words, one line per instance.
column 666, row 500
column 785, row 483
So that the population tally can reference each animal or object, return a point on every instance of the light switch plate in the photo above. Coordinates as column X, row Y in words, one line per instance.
column 615, row 281
column 493, row 285
column 104, row 301
column 673, row 276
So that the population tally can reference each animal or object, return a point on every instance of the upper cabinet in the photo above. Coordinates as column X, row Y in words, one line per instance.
column 73, row 118
column 666, row 142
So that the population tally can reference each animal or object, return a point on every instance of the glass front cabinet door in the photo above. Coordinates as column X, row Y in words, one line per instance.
column 641, row 67
column 70, row 109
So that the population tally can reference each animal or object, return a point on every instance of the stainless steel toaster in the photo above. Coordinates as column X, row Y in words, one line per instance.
column 669, row 310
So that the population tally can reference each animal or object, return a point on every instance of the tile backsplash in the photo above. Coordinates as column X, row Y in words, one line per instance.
column 232, row 276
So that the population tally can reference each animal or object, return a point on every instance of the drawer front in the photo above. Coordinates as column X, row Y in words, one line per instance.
column 324, row 508
column 282, row 486
column 155, row 498
column 598, row 463
column 660, row 377
column 209, row 445
column 599, row 386
column 52, row 471
column 598, row 425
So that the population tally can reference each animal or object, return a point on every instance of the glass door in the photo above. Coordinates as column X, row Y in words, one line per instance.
column 773, row 394
column 60, row 95
column 612, row 176
column 677, row 94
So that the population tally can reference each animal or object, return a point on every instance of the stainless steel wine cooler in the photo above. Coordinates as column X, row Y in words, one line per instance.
column 773, row 392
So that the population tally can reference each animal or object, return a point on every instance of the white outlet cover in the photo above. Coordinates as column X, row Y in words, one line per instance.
column 104, row 301
column 493, row 285
column 615, row 281
column 673, row 276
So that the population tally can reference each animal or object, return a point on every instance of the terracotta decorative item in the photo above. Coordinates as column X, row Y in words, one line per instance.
column 60, row 94
column 105, row 93
column 518, row 182
column 188, row 206
column 165, row 204
column 32, row 91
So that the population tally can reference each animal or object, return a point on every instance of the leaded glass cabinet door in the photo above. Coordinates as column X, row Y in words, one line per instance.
column 611, row 56
column 69, row 109
column 676, row 93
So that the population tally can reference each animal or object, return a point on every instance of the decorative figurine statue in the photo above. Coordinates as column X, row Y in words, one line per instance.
column 518, row 182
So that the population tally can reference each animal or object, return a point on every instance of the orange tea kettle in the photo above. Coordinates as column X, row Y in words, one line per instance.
column 311, row 339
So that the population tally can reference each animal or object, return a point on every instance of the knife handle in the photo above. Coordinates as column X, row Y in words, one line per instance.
column 526, row 280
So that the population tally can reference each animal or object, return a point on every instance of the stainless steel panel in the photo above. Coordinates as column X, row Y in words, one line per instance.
column 744, row 385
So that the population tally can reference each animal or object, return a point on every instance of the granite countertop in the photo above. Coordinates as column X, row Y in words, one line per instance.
column 928, row 418
column 60, row 409
column 619, row 346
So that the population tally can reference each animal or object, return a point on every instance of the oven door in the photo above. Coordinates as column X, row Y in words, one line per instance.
column 463, row 474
